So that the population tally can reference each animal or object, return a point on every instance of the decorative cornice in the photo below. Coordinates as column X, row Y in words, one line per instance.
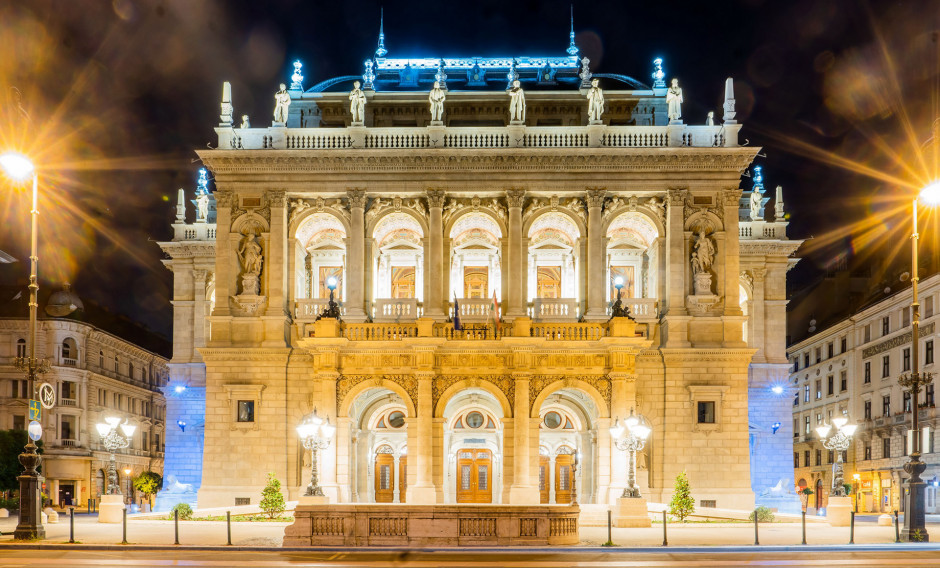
column 760, row 247
column 183, row 249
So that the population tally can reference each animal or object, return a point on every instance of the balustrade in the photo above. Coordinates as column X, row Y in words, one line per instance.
column 584, row 331
column 310, row 308
column 394, row 309
column 379, row 331
column 554, row 309
column 471, row 331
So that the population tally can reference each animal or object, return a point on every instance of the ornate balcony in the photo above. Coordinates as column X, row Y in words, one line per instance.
column 307, row 309
column 554, row 309
column 396, row 309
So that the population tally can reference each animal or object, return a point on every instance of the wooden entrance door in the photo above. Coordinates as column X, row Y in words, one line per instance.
column 402, row 478
column 543, row 479
column 474, row 476
column 564, row 478
column 384, row 478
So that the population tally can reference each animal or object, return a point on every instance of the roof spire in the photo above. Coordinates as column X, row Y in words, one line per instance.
column 381, row 51
column 572, row 48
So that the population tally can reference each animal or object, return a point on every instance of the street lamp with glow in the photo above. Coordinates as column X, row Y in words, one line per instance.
column 332, row 309
column 316, row 434
column 637, row 430
column 838, row 442
column 113, row 440
column 617, row 310
column 857, row 479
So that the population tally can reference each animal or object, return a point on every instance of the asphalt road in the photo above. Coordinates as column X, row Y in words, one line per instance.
column 868, row 556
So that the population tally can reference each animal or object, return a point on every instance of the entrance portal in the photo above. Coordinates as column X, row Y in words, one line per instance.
column 474, row 476
column 564, row 478
column 386, row 477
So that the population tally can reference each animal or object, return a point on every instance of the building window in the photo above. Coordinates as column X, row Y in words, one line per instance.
column 830, row 457
column 101, row 359
column 842, row 345
column 796, row 364
column 806, row 427
column 906, row 359
column 21, row 347
column 819, row 419
column 19, row 422
column 928, row 306
column 706, row 412
column 818, row 354
column 818, row 457
column 805, row 393
column 885, row 325
column 928, row 395
column 928, row 352
column 867, row 333
column 68, row 390
column 117, row 367
column 886, row 447
column 829, row 350
column 796, row 459
column 907, row 401
column 886, row 405
column 830, row 385
column 843, row 381
column 805, row 360
column 906, row 317
column 885, row 366
column 796, row 427
column 818, row 389
column 806, row 457
column 867, row 452
column 867, row 410
column 19, row 388
column 867, row 372
column 246, row 411
column 796, row 398
column 67, row 428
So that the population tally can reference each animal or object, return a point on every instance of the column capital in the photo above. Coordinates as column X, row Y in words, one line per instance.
column 595, row 197
column 276, row 197
column 436, row 198
column 224, row 198
column 357, row 198
column 515, row 197
column 731, row 197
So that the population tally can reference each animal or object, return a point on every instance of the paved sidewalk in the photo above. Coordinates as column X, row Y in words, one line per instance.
column 268, row 534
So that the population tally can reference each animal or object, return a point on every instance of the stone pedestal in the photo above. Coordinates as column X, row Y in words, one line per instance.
column 838, row 511
column 110, row 509
column 51, row 516
column 885, row 520
column 703, row 284
column 631, row 512
column 313, row 500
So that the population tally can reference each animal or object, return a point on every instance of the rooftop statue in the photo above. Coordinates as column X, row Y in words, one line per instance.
column 436, row 98
column 710, row 119
column 245, row 122
column 674, row 100
column 516, row 103
column 357, row 104
column 281, row 102
column 755, row 205
column 595, row 102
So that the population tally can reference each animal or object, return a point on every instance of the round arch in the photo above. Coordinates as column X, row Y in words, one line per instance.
column 641, row 213
column 645, row 226
column 487, row 386
column 302, row 218
column 603, row 410
column 578, row 222
column 374, row 222
column 249, row 221
column 366, row 385
column 711, row 222
column 463, row 212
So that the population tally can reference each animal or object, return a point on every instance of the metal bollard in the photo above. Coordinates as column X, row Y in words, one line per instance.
column 665, row 540
column 756, row 540
column 804, row 527
column 176, row 526
column 71, row 525
column 851, row 527
column 228, row 520
column 124, row 527
column 897, row 529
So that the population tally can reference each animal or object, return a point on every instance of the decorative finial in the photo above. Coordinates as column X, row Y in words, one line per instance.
column 659, row 76
column 227, row 108
column 441, row 76
column 181, row 206
column 729, row 101
column 758, row 180
column 202, row 186
column 368, row 78
column 512, row 75
column 572, row 48
column 585, row 73
column 778, row 206
column 381, row 51
column 297, row 79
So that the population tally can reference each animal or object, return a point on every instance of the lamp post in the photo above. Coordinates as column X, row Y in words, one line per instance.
column 857, row 479
column 838, row 442
column 114, row 440
column 315, row 433
column 618, row 310
column 915, row 527
column 18, row 168
column 637, row 430
column 332, row 309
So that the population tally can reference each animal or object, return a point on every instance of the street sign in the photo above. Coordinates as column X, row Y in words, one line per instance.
column 35, row 410
column 35, row 430
column 47, row 395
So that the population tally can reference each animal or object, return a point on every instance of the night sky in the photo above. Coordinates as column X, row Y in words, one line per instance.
column 120, row 94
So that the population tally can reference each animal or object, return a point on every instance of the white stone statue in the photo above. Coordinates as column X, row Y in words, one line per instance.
column 703, row 253
column 755, row 205
column 357, row 104
column 281, row 102
column 516, row 103
column 595, row 102
column 710, row 119
column 674, row 100
column 245, row 122
column 202, row 207
column 436, row 98
column 249, row 251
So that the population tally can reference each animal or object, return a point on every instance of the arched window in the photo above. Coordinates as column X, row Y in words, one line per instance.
column 69, row 351
column 21, row 347
column 101, row 359
column 130, row 369
column 117, row 367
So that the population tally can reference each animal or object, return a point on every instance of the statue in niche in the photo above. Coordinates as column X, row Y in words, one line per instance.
column 202, row 207
column 436, row 98
column 674, row 100
column 703, row 253
column 249, row 252
column 755, row 205
column 357, row 104
column 245, row 122
column 595, row 102
column 281, row 102
column 516, row 103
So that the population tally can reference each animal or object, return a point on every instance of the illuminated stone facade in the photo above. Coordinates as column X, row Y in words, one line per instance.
column 412, row 217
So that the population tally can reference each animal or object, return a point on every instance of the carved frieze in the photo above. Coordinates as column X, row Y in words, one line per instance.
column 380, row 205
column 276, row 198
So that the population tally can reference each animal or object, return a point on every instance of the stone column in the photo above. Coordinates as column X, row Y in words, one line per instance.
column 757, row 313
column 729, row 200
column 354, row 286
column 550, row 475
column 434, row 307
column 224, row 256
column 516, row 292
column 423, row 492
column 522, row 492
column 199, row 312
column 275, row 258
column 394, row 478
column 596, row 282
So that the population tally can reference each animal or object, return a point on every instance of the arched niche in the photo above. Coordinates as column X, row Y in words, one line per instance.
column 475, row 260
column 633, row 254
column 553, row 258
column 398, row 257
column 319, row 253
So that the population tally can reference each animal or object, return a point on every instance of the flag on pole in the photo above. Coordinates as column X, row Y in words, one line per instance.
column 494, row 308
column 457, row 325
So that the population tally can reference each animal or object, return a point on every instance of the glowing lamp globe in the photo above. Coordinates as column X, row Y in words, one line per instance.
column 112, row 421
column 331, row 283
column 631, row 421
column 327, row 429
column 849, row 429
column 128, row 429
column 17, row 166
column 823, row 431
column 616, row 430
column 931, row 193
column 641, row 431
column 306, row 430
column 103, row 429
column 618, row 282
column 839, row 422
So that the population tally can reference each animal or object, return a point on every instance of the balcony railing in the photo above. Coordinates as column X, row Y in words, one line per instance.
column 474, row 310
column 379, row 331
column 554, row 309
column 68, row 362
column 748, row 230
column 460, row 137
column 70, row 443
column 67, row 402
column 471, row 331
column 310, row 308
column 396, row 309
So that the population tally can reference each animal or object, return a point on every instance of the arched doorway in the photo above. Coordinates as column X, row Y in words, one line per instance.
column 819, row 494
column 473, row 442
column 567, row 453
column 379, row 447
column 319, row 256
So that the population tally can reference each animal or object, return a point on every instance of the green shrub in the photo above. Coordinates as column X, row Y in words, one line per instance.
column 272, row 500
column 682, row 504
column 184, row 510
column 764, row 515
